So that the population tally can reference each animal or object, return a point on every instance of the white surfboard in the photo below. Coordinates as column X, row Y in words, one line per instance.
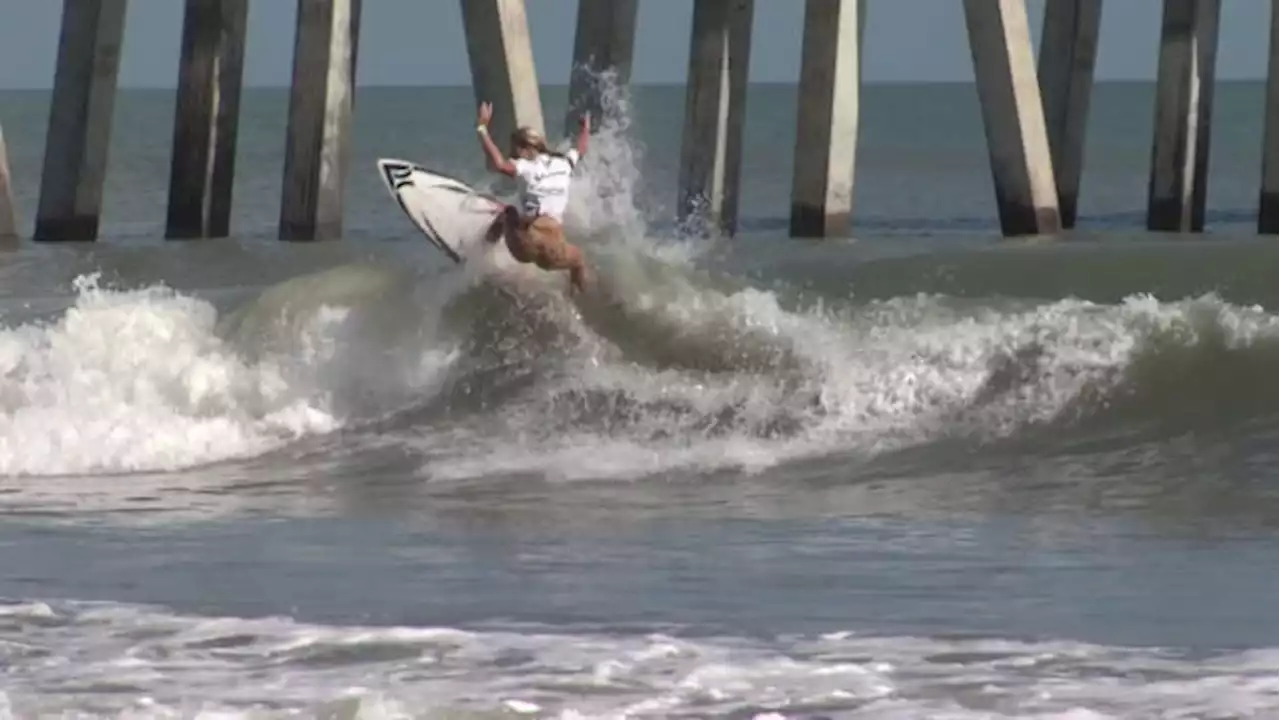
column 453, row 215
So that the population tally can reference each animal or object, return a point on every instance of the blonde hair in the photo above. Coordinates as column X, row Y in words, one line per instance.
column 526, row 136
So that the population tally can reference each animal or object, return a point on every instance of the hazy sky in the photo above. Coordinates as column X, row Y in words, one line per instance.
column 405, row 42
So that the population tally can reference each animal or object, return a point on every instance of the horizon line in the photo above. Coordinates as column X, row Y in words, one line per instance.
column 660, row 83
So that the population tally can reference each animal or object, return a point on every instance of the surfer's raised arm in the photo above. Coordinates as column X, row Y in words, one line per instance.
column 495, row 160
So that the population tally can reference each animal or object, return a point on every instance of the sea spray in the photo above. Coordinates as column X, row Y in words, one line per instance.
column 604, row 197
column 609, row 208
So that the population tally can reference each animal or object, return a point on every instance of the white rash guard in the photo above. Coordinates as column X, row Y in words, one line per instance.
column 544, row 184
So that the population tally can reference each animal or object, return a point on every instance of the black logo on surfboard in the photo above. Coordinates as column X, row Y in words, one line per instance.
column 400, row 175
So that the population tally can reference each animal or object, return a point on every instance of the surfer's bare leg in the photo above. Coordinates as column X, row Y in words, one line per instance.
column 569, row 257
column 554, row 252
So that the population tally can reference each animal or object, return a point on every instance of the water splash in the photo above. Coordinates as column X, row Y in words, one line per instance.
column 605, row 197
column 607, row 204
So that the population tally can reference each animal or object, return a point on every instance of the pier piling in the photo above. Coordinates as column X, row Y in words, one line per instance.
column 827, row 117
column 1267, row 208
column 1177, row 183
column 84, row 89
column 1013, row 116
column 502, row 69
column 714, row 112
column 321, row 100
column 8, row 212
column 207, row 110
column 604, row 41
column 1068, row 52
column 1034, row 110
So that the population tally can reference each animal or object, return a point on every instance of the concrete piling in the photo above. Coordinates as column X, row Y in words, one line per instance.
column 1068, row 51
column 827, row 117
column 604, row 41
column 502, row 69
column 321, row 100
column 202, row 165
column 1267, row 208
column 715, row 103
column 1177, row 183
column 1013, row 116
column 8, row 213
column 84, row 89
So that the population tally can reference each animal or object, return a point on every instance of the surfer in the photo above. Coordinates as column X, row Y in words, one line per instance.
column 535, row 230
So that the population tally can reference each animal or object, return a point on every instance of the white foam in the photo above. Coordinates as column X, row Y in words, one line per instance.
column 274, row 667
column 137, row 380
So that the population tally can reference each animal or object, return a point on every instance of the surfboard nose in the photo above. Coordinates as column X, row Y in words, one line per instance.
column 394, row 172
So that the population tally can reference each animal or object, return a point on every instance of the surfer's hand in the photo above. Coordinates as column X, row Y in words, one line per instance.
column 584, row 121
column 486, row 113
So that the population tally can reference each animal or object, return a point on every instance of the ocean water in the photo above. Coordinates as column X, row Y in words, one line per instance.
column 914, row 472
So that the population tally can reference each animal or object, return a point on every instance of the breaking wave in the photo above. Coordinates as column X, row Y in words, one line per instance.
column 665, row 371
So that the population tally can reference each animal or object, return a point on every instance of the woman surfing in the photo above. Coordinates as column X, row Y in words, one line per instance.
column 534, row 230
